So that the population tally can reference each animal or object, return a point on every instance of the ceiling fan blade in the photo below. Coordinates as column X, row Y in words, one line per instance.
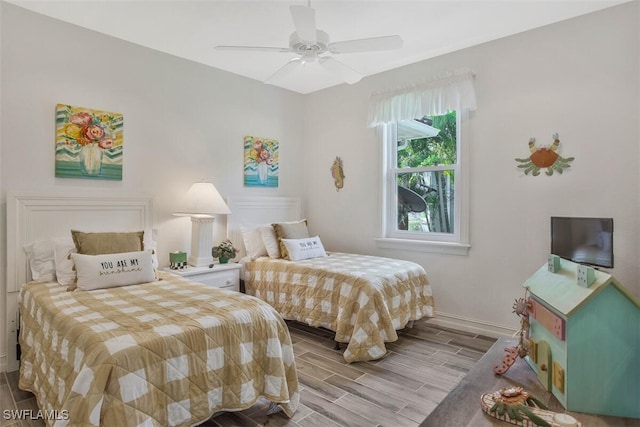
column 333, row 65
column 284, row 71
column 254, row 48
column 304, row 19
column 366, row 45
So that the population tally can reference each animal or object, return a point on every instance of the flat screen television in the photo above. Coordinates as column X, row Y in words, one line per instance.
column 583, row 240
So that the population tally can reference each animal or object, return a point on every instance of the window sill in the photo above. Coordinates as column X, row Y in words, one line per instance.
column 446, row 248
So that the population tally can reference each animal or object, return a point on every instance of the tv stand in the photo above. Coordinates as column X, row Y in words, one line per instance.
column 585, row 341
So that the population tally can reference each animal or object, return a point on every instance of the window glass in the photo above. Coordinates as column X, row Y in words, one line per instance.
column 426, row 201
column 426, row 159
column 430, row 141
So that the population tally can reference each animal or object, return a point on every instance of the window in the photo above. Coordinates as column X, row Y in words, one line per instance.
column 423, row 180
column 425, row 191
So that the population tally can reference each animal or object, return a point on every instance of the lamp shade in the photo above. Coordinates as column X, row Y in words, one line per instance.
column 203, row 200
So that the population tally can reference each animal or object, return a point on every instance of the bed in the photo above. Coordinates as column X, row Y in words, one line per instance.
column 363, row 299
column 162, row 352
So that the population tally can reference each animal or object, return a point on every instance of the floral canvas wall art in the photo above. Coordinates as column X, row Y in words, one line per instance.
column 88, row 143
column 261, row 163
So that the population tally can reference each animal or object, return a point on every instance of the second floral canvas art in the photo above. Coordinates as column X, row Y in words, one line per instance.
column 261, row 162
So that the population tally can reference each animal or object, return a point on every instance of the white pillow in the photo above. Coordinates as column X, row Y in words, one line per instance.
column 112, row 270
column 253, row 243
column 152, row 247
column 65, row 271
column 299, row 249
column 41, row 260
column 270, row 240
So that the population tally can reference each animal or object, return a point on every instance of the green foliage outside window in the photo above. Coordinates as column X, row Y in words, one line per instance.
column 439, row 150
column 436, row 187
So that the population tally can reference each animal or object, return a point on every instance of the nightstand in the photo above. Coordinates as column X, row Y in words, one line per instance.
column 224, row 276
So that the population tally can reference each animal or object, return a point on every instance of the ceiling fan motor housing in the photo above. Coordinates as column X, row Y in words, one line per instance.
column 306, row 48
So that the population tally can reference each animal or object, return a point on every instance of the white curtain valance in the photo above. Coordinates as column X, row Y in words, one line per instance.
column 453, row 91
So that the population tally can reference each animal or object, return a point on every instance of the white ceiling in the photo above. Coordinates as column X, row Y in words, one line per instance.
column 191, row 29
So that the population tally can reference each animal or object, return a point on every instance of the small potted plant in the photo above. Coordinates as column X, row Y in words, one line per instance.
column 224, row 251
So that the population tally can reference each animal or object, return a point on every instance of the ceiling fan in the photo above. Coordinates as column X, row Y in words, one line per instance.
column 314, row 45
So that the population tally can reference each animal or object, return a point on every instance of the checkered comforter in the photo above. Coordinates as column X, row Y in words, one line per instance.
column 363, row 299
column 166, row 353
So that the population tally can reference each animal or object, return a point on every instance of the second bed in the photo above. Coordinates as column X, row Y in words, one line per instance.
column 363, row 299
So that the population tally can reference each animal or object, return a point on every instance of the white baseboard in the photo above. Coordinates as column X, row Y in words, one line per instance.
column 474, row 326
column 3, row 363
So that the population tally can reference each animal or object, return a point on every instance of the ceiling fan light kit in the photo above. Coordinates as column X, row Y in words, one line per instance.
column 313, row 45
column 320, row 43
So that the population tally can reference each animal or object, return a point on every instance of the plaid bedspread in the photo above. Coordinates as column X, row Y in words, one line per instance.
column 363, row 299
column 166, row 353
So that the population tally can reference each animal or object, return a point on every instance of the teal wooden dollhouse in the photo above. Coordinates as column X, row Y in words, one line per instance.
column 584, row 339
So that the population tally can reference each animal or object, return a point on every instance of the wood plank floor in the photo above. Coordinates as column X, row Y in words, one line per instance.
column 399, row 390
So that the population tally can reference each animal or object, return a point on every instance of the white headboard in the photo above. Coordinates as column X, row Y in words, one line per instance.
column 259, row 210
column 32, row 217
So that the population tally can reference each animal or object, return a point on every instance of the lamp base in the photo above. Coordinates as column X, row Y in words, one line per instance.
column 201, row 241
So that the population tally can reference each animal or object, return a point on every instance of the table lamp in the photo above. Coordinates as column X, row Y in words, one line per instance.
column 201, row 203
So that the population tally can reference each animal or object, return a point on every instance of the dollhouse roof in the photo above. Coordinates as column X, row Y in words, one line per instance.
column 561, row 289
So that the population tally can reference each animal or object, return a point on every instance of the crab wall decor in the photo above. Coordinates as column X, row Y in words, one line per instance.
column 544, row 157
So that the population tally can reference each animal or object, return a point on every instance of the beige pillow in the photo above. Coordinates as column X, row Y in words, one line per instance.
column 289, row 230
column 107, row 243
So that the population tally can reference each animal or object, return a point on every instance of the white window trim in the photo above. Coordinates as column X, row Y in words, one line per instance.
column 446, row 248
column 455, row 244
